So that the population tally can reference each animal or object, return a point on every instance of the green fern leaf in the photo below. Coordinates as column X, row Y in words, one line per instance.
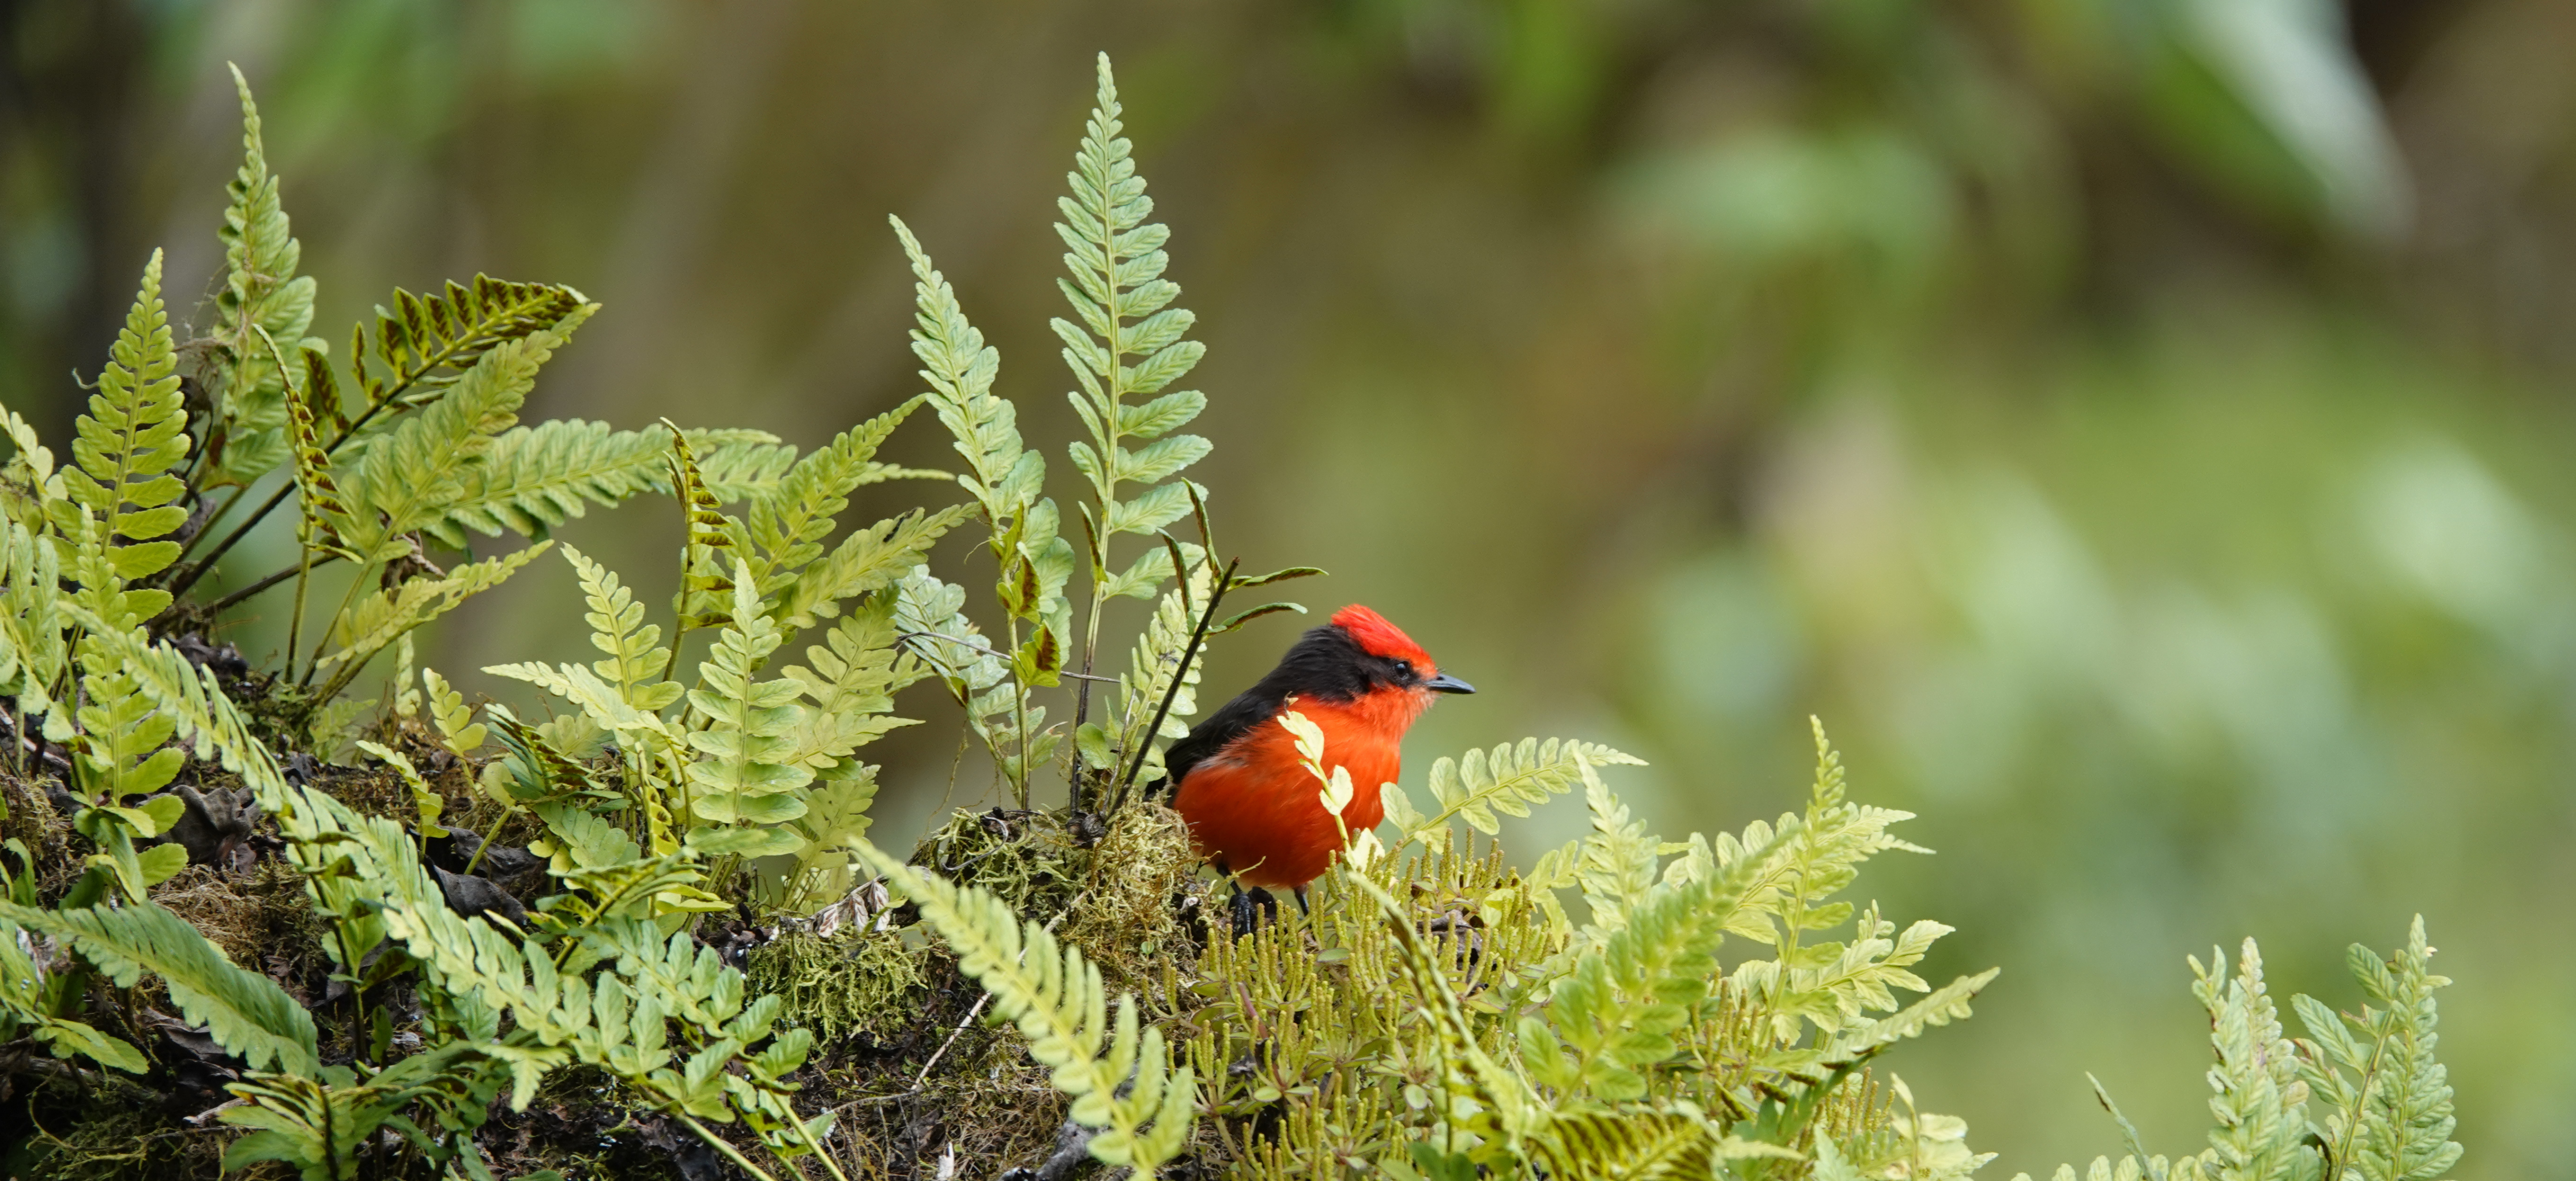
column 326, row 513
column 2388, row 1099
column 1116, row 263
column 1055, row 998
column 426, row 342
column 22, row 999
column 1628, row 1146
column 715, row 543
column 867, row 560
column 748, row 775
column 408, row 478
column 851, row 685
column 134, row 433
column 380, row 619
column 449, row 713
column 32, row 652
column 247, row 1013
column 635, row 658
column 535, row 478
column 1151, row 670
column 28, row 483
column 1621, row 1002
column 262, row 294
column 2258, row 1097
column 1002, row 475
column 1510, row 779
column 790, row 522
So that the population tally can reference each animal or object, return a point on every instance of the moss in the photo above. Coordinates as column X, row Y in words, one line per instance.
column 850, row 981
column 262, row 920
column 1025, row 858
column 117, row 1135
column 1125, row 919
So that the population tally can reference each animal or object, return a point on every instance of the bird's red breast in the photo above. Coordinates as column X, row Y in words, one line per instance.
column 1252, row 806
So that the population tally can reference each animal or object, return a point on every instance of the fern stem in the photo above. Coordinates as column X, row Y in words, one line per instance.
column 237, row 597
column 303, row 577
column 1090, row 644
column 1198, row 635
column 212, row 519
column 392, row 394
column 721, row 1145
column 1019, row 719
column 179, row 586
column 806, row 1135
column 346, row 597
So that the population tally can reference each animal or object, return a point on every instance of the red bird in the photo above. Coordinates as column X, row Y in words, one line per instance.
column 1252, row 806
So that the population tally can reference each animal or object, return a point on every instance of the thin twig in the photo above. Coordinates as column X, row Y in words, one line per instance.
column 972, row 1013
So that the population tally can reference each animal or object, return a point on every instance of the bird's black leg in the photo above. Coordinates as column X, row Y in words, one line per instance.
column 1250, row 907
column 1302, row 906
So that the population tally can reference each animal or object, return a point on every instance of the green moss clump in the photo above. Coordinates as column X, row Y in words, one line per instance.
column 850, row 981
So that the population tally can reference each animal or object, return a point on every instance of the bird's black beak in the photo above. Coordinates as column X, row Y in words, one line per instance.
column 1444, row 683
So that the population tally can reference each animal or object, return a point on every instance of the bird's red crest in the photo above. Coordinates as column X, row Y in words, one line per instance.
column 1377, row 637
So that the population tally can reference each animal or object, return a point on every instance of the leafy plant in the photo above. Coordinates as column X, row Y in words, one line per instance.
column 481, row 908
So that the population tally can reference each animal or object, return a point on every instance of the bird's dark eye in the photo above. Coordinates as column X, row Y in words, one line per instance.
column 1404, row 670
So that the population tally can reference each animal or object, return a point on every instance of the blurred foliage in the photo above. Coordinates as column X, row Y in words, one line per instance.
column 2131, row 419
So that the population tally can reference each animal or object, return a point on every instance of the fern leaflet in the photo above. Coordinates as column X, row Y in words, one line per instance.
column 1055, row 998
column 134, row 433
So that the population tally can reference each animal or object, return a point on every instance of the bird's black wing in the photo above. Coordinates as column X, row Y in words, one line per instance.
column 1324, row 663
column 1233, row 720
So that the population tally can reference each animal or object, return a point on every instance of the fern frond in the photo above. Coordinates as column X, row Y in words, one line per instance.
column 244, row 1011
column 99, row 589
column 2258, row 1097
column 410, row 476
column 1944, row 1005
column 1628, row 1146
column 190, row 697
column 605, row 705
column 28, row 483
column 748, row 774
column 326, row 515
column 32, row 652
column 2388, row 1099
column 262, row 294
column 1617, row 869
column 1116, row 261
column 1508, row 780
column 453, row 719
column 1832, row 984
column 790, row 521
column 1618, row 1006
column 380, row 619
column 867, row 560
column 425, row 342
column 635, row 657
column 134, row 433
column 1001, row 474
column 737, row 472
column 712, row 539
column 851, row 685
column 22, row 1000
column 1055, row 998
column 1151, row 670
column 121, row 739
column 535, row 478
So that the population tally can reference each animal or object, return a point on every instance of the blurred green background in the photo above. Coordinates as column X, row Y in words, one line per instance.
column 2138, row 427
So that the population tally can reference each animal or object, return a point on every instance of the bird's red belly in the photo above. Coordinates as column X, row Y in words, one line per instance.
column 1259, row 814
